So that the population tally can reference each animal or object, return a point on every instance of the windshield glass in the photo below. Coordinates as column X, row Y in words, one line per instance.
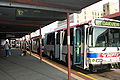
column 105, row 37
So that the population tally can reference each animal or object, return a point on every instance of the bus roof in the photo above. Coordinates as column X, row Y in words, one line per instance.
column 93, row 22
column 70, row 26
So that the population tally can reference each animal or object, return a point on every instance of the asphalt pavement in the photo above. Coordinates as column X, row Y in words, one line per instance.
column 17, row 67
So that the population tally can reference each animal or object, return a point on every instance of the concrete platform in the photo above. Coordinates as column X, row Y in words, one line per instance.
column 16, row 67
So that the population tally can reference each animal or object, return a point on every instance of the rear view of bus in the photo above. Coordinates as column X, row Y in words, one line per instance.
column 103, row 44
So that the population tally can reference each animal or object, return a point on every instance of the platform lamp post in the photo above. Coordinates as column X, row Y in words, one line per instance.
column 40, row 44
column 68, row 46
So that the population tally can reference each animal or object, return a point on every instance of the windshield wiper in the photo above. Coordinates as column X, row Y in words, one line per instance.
column 117, row 47
column 104, row 49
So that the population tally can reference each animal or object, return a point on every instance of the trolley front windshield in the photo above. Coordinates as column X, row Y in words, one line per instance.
column 105, row 37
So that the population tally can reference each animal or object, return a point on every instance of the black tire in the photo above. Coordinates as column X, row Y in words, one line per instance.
column 91, row 69
column 119, row 65
column 109, row 67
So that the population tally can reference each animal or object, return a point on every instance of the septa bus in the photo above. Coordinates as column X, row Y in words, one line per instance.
column 94, row 44
column 35, row 42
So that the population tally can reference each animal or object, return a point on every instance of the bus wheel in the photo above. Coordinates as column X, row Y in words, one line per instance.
column 109, row 67
column 119, row 65
column 91, row 69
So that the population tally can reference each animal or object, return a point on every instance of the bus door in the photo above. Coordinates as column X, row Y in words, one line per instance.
column 57, row 45
column 78, row 47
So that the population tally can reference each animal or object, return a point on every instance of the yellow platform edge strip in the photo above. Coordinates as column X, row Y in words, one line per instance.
column 73, row 75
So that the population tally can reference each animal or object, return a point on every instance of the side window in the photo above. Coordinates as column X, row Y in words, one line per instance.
column 58, row 38
column 65, row 38
column 48, row 39
column 38, row 41
column 51, row 39
column 71, row 36
column 42, row 42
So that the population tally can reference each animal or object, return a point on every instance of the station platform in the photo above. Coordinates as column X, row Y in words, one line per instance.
column 17, row 67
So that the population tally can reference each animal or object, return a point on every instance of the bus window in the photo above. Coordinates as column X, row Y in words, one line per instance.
column 65, row 38
column 52, row 39
column 71, row 37
column 48, row 39
column 58, row 38
column 42, row 42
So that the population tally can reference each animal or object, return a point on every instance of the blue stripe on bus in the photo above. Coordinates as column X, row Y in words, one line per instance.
column 92, row 55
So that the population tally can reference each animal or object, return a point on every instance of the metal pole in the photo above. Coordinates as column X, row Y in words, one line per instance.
column 40, row 45
column 30, row 44
column 68, row 45
column 21, row 44
column 25, row 43
column 119, row 5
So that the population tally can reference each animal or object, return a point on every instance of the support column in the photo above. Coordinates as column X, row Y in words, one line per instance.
column 25, row 44
column 68, row 46
column 119, row 5
column 21, row 44
column 40, row 45
column 30, row 44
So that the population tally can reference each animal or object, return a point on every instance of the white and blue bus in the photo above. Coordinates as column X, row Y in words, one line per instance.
column 94, row 44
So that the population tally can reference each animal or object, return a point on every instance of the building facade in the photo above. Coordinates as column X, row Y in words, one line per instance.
column 85, row 15
column 109, row 8
column 88, row 14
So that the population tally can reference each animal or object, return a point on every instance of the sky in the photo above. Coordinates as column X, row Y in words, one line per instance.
column 100, row 3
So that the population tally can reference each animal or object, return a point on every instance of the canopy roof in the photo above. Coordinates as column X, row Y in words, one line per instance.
column 113, row 16
column 25, row 16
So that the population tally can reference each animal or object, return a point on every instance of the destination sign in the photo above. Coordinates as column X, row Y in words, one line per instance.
column 107, row 23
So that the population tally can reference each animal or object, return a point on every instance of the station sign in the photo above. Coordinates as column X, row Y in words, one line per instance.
column 27, row 13
column 38, row 14
column 100, row 22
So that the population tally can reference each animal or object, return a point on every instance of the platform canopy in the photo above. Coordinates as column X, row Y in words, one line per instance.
column 26, row 16
column 113, row 16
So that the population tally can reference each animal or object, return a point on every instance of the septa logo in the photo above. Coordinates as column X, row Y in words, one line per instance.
column 108, row 55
